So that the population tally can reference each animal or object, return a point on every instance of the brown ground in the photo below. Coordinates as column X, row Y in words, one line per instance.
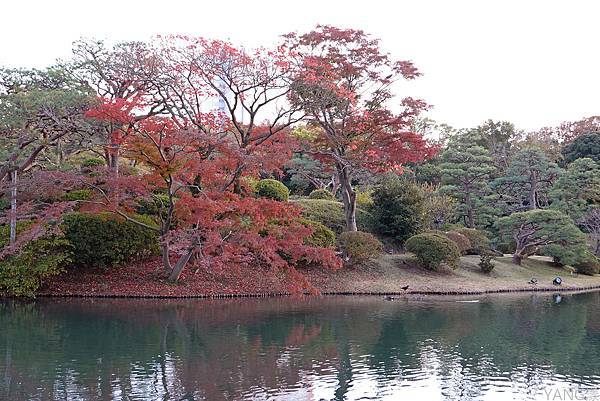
column 386, row 275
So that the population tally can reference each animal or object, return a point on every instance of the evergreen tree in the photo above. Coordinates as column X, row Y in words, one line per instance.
column 466, row 169
column 526, row 183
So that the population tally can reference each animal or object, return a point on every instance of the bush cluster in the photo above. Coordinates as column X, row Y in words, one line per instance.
column 23, row 274
column 78, row 194
column 485, row 263
column 321, row 237
column 272, row 189
column 433, row 249
column 478, row 239
column 331, row 214
column 321, row 194
column 359, row 246
column 104, row 240
column 398, row 208
column 589, row 267
column 462, row 242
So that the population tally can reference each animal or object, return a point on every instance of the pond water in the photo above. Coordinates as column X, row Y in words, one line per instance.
column 332, row 348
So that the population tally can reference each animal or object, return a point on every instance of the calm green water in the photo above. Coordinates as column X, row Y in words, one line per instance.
column 526, row 347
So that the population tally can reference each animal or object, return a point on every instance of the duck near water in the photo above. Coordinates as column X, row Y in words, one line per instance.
column 391, row 298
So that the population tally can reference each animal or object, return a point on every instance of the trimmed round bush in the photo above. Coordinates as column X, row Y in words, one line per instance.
column 105, row 240
column 321, row 194
column 321, row 237
column 462, row 241
column 479, row 240
column 589, row 267
column 359, row 246
column 272, row 189
column 331, row 214
column 432, row 250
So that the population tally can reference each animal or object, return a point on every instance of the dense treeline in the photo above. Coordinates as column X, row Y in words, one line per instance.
column 216, row 156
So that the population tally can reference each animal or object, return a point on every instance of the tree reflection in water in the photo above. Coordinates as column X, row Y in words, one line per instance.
column 330, row 348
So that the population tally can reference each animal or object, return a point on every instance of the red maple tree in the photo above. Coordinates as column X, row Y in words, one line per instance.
column 202, row 220
column 343, row 84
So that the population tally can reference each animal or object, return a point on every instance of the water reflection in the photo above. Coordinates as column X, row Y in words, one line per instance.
column 328, row 348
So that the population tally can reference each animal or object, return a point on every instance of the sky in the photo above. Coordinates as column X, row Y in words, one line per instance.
column 535, row 63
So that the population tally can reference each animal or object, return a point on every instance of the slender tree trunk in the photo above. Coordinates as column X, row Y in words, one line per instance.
column 348, row 199
column 335, row 184
column 59, row 153
column 13, row 209
column 178, row 268
column 533, row 202
column 470, row 212
column 164, row 250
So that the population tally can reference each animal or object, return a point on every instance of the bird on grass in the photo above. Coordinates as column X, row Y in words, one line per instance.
column 404, row 288
column 533, row 281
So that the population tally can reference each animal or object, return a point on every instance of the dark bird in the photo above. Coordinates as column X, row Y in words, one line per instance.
column 533, row 280
column 404, row 288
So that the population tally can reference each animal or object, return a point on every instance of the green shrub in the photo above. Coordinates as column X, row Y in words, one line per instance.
column 478, row 238
column 153, row 206
column 359, row 246
column 433, row 249
column 4, row 203
column 78, row 194
column 331, row 214
column 461, row 241
column 321, row 194
column 22, row 226
column 567, row 255
column 485, row 263
column 105, row 240
column 589, row 267
column 272, row 189
column 398, row 208
column 23, row 274
column 321, row 237
column 364, row 199
column 92, row 162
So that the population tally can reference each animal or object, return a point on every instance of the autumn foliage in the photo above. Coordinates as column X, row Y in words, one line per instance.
column 187, row 123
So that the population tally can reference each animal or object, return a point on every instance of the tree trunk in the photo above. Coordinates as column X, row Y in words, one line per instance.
column 348, row 198
column 470, row 212
column 178, row 268
column 516, row 259
column 13, row 209
column 533, row 202
column 335, row 184
column 112, row 158
column 164, row 250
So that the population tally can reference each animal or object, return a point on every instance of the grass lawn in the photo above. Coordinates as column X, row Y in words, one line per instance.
column 391, row 272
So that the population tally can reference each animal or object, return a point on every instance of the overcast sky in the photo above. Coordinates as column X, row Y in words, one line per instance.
column 535, row 63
